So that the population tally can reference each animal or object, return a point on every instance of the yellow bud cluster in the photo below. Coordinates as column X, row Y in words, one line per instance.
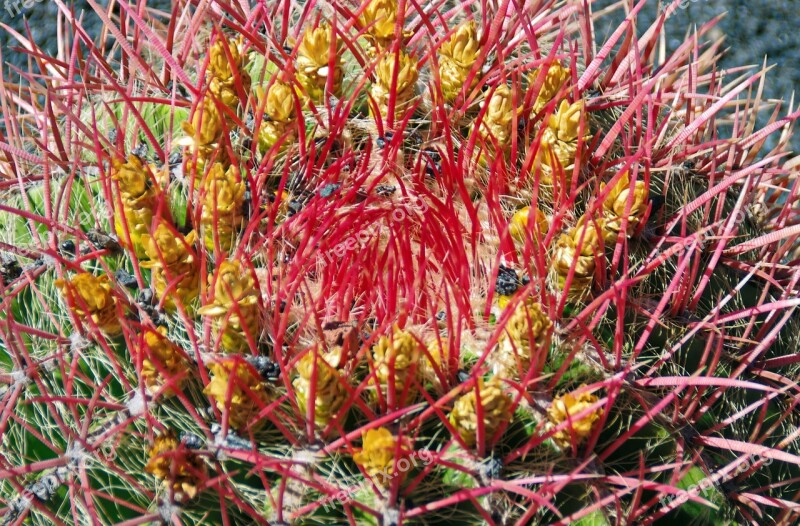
column 395, row 360
column 519, row 225
column 560, row 142
column 176, row 466
column 498, row 118
column 579, row 246
column 554, row 78
column 172, row 257
column 90, row 298
column 527, row 330
column 616, row 204
column 234, row 309
column 496, row 409
column 566, row 408
column 329, row 390
column 236, row 386
column 163, row 360
column 379, row 19
column 457, row 56
column 139, row 197
column 206, row 127
column 403, row 87
column 223, row 206
column 227, row 62
column 436, row 359
column 280, row 110
column 378, row 454
column 313, row 66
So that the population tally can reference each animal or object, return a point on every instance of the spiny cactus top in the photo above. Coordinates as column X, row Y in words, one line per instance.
column 375, row 262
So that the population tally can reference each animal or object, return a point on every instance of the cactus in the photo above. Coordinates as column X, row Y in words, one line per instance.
column 382, row 262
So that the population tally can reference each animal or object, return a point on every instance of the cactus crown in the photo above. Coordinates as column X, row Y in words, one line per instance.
column 388, row 262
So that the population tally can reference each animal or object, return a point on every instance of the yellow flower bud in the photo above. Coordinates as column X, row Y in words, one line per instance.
column 377, row 456
column 519, row 225
column 220, row 66
column 226, row 92
column 280, row 116
column 566, row 408
column 171, row 256
column 565, row 123
column 280, row 102
column 236, row 386
column 178, row 467
column 395, row 360
column 139, row 198
column 559, row 145
column 499, row 115
column 132, row 177
column 580, row 245
column 616, row 203
column 527, row 331
column 457, row 55
column 555, row 77
column 162, row 361
column 206, row 125
column 380, row 19
column 312, row 63
column 496, row 406
column 90, row 297
column 234, row 310
column 404, row 89
column 330, row 393
column 223, row 206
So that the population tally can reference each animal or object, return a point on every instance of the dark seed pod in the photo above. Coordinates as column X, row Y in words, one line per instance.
column 175, row 159
column 385, row 190
column 9, row 269
column 36, row 264
column 140, row 151
column 507, row 281
column 104, row 241
column 269, row 370
column 329, row 189
column 126, row 279
column 192, row 441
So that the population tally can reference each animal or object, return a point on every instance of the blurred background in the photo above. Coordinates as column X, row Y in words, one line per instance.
column 755, row 29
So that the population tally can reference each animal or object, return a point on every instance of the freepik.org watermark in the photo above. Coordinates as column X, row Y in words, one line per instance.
column 708, row 482
column 422, row 457
column 15, row 7
column 406, row 206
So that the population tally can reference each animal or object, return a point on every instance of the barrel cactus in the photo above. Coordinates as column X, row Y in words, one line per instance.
column 380, row 262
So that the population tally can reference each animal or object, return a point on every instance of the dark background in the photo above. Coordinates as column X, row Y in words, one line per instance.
column 754, row 29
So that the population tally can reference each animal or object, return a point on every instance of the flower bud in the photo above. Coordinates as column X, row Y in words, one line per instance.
column 616, row 203
column 566, row 408
column 395, row 360
column 554, row 78
column 171, row 257
column 330, row 393
column 90, row 297
column 162, row 361
column 237, row 387
column 378, row 453
column 177, row 466
column 457, row 55
column 496, row 406
column 526, row 334
column 234, row 309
